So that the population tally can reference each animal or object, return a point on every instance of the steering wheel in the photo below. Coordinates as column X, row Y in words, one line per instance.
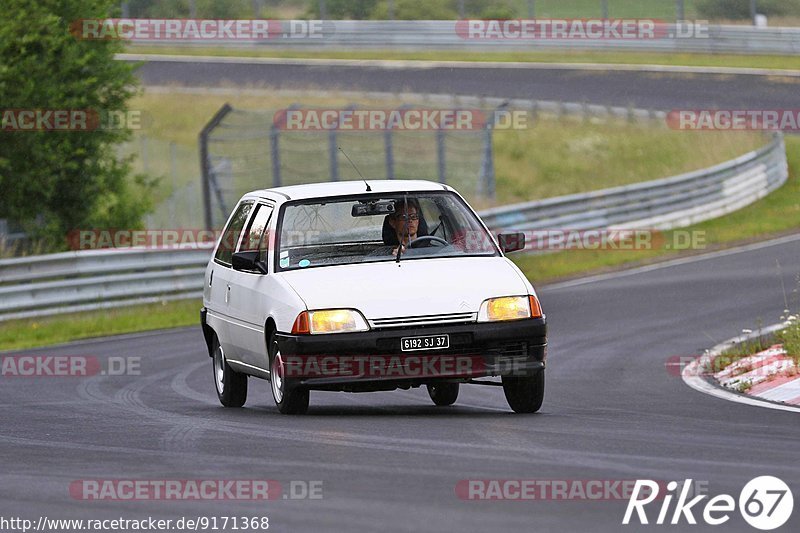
column 428, row 238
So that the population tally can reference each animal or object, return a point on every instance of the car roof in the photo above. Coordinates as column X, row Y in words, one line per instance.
column 348, row 188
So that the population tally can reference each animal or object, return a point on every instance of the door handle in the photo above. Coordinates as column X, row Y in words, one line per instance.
column 228, row 294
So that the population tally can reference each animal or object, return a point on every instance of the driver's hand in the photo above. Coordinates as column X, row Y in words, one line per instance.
column 403, row 249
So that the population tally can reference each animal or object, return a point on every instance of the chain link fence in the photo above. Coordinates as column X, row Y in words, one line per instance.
column 246, row 150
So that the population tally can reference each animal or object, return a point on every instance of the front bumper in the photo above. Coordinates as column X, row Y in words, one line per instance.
column 517, row 348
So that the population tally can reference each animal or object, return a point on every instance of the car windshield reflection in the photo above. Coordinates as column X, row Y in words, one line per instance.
column 375, row 228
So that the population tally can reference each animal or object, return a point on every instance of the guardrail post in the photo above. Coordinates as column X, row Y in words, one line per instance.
column 389, row 152
column 275, row 155
column 679, row 10
column 333, row 153
column 486, row 185
column 604, row 5
column 173, row 172
column 531, row 9
column 440, row 155
column 205, row 163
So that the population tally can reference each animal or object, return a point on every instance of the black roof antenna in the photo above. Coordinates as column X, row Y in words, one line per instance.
column 355, row 167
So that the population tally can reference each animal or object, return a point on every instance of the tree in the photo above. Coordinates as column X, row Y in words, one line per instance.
column 55, row 181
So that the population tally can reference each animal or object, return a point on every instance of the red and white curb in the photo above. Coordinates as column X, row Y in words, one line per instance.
column 770, row 374
column 771, row 378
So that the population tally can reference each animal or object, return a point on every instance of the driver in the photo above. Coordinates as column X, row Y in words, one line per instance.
column 404, row 223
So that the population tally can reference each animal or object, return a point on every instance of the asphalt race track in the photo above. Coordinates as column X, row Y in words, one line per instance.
column 391, row 461
column 655, row 90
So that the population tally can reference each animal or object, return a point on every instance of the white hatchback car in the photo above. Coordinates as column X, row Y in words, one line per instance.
column 310, row 288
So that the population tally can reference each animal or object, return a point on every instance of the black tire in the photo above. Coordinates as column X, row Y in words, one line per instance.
column 231, row 386
column 290, row 399
column 443, row 393
column 524, row 394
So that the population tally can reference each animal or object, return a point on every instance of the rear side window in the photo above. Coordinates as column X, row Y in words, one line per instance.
column 232, row 234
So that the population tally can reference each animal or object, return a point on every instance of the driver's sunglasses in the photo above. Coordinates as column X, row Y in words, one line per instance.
column 412, row 217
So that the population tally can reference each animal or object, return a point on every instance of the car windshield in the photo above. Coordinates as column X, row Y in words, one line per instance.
column 370, row 228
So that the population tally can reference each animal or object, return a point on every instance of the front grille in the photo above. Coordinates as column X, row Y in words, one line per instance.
column 506, row 349
column 460, row 344
column 423, row 320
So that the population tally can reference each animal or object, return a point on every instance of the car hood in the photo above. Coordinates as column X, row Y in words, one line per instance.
column 409, row 288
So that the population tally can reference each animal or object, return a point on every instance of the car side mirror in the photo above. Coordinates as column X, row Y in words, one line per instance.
column 511, row 242
column 248, row 262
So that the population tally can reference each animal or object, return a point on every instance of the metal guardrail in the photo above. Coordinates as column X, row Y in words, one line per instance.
column 98, row 279
column 86, row 280
column 663, row 204
column 443, row 35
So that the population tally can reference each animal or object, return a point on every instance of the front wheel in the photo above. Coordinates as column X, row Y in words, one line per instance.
column 524, row 394
column 443, row 393
column 289, row 399
column 231, row 385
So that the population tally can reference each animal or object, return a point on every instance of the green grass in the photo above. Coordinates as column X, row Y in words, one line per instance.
column 548, row 56
column 776, row 214
column 551, row 157
column 559, row 157
column 34, row 332
column 790, row 338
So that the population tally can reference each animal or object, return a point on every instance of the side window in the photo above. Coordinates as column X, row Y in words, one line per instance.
column 433, row 217
column 231, row 235
column 256, row 238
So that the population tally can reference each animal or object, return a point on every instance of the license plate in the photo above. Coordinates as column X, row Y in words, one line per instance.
column 428, row 342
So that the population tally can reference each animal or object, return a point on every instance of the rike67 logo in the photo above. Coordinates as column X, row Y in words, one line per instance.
column 766, row 503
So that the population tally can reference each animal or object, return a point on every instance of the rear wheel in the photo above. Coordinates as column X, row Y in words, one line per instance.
column 524, row 394
column 290, row 399
column 231, row 385
column 443, row 393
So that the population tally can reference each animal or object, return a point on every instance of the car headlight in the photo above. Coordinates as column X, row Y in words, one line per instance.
column 329, row 321
column 509, row 308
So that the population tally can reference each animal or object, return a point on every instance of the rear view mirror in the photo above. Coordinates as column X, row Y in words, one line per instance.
column 383, row 207
column 511, row 242
column 248, row 262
